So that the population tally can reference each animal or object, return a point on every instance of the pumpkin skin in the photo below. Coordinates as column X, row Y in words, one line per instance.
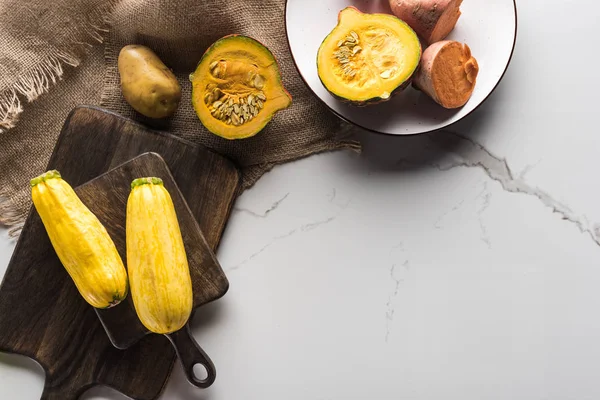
column 159, row 275
column 81, row 242
column 237, row 87
column 368, row 58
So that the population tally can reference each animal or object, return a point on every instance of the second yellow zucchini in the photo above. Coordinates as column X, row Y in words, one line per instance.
column 159, row 275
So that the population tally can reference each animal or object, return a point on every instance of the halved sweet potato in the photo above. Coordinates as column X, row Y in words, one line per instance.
column 448, row 73
column 433, row 20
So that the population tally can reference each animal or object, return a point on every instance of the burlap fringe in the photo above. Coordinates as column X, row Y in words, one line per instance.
column 10, row 108
column 31, row 85
column 10, row 216
column 49, row 71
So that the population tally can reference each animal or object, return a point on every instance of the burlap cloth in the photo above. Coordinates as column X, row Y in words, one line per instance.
column 62, row 53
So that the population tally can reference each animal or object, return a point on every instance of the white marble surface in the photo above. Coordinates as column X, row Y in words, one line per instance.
column 427, row 268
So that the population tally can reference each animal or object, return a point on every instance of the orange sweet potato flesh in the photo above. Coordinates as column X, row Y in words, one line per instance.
column 448, row 73
column 432, row 20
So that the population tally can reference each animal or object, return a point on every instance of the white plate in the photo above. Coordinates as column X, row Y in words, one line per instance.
column 489, row 27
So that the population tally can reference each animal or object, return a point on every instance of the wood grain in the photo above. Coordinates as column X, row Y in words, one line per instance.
column 42, row 315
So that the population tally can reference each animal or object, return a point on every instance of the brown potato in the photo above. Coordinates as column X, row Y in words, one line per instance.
column 148, row 85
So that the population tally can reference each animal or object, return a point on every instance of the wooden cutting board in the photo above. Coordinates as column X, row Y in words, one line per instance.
column 42, row 315
column 106, row 196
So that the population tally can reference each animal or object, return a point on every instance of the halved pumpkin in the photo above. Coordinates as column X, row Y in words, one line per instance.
column 367, row 58
column 237, row 88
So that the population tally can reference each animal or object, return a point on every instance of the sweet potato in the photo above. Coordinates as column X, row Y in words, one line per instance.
column 432, row 20
column 448, row 73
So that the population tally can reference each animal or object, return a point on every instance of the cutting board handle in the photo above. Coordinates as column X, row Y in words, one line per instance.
column 191, row 354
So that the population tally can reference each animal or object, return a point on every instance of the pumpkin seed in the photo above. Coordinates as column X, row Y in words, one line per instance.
column 260, row 104
column 386, row 74
column 213, row 65
column 259, row 82
column 354, row 35
column 254, row 111
column 236, row 108
column 261, row 96
column 217, row 104
column 340, row 43
column 356, row 50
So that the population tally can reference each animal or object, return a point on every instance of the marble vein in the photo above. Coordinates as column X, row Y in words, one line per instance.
column 528, row 168
column 303, row 228
column 332, row 195
column 486, row 198
column 437, row 225
column 473, row 155
column 315, row 225
column 266, row 213
column 390, row 310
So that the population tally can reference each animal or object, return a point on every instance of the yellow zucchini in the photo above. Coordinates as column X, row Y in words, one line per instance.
column 81, row 242
column 159, row 275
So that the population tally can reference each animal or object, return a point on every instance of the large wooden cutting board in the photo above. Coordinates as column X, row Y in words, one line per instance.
column 42, row 315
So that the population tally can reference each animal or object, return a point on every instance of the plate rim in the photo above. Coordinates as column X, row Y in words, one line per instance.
column 512, row 52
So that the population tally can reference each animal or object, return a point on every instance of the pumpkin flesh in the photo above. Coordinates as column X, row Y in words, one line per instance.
column 368, row 57
column 237, row 88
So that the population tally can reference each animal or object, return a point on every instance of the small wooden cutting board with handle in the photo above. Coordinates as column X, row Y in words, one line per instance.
column 42, row 316
column 106, row 196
